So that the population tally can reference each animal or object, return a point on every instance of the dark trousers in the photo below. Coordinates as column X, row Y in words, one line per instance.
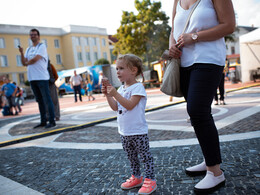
column 198, row 84
column 42, row 95
column 221, row 88
column 77, row 89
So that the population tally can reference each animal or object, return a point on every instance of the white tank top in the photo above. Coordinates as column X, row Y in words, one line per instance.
column 203, row 17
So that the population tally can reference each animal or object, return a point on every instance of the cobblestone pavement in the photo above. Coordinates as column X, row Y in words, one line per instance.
column 104, row 134
column 71, row 171
column 96, row 171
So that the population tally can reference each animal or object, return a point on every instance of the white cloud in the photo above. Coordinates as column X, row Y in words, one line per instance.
column 101, row 13
column 247, row 12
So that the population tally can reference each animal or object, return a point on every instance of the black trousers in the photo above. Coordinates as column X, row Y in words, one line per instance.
column 221, row 88
column 198, row 84
column 77, row 89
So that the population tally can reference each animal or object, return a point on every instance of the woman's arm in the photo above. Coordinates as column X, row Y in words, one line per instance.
column 226, row 18
column 171, row 40
column 174, row 52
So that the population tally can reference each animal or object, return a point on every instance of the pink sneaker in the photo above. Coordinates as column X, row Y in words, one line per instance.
column 148, row 187
column 132, row 182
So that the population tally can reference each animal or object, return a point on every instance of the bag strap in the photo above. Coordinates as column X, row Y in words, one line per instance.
column 188, row 19
column 37, row 47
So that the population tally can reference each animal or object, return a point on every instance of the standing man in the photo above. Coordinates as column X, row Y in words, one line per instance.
column 36, row 60
column 9, row 90
column 76, row 84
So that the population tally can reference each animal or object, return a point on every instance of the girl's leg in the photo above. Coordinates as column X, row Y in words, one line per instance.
column 142, row 144
column 130, row 148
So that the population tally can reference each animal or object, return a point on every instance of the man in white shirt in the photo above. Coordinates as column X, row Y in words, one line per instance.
column 36, row 60
column 76, row 84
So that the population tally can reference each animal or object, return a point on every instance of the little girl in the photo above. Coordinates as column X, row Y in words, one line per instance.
column 129, row 101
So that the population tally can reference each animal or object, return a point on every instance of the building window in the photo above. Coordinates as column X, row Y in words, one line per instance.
column 2, row 43
column 86, row 41
column 105, row 55
column 77, row 40
column 88, row 56
column 21, row 78
column 45, row 42
column 95, row 56
column 58, row 59
column 16, row 42
column 79, row 57
column 95, row 41
column 104, row 42
column 56, row 43
column 3, row 61
column 232, row 50
column 19, row 60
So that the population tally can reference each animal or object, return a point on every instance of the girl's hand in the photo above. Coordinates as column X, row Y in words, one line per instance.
column 175, row 52
column 184, row 39
column 111, row 91
column 104, row 90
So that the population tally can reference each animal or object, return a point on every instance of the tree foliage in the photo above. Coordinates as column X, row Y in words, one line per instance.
column 101, row 61
column 145, row 34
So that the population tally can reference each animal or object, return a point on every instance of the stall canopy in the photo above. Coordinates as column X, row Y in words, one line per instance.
column 249, row 54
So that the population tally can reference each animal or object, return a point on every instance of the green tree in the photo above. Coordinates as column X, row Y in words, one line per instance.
column 101, row 61
column 145, row 34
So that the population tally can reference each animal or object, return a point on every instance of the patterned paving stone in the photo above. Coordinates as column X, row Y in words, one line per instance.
column 76, row 171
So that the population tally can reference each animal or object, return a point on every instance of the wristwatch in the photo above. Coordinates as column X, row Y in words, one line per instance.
column 194, row 37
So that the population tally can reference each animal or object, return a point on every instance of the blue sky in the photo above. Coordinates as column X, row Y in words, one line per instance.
column 100, row 13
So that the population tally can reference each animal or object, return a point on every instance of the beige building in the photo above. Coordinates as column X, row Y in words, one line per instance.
column 68, row 47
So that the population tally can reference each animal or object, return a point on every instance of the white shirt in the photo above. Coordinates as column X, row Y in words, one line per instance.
column 38, row 70
column 203, row 17
column 132, row 122
column 76, row 80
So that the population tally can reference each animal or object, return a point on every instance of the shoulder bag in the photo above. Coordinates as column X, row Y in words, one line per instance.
column 171, row 78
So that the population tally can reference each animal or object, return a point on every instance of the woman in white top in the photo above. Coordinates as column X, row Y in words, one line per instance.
column 202, row 52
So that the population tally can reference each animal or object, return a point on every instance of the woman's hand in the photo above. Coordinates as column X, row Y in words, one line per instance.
column 175, row 52
column 184, row 39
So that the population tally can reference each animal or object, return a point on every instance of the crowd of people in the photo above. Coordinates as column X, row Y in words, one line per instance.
column 11, row 98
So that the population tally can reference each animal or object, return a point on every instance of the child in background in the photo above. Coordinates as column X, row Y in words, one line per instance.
column 129, row 101
column 89, row 90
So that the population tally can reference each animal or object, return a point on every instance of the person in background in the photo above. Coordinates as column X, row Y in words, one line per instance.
column 202, row 51
column 221, row 88
column 53, row 91
column 129, row 102
column 89, row 90
column 18, row 97
column 76, row 85
column 36, row 61
column 9, row 90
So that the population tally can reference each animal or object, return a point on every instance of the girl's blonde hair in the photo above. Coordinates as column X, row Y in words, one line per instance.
column 131, row 61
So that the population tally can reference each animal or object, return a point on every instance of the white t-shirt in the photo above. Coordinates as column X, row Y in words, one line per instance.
column 132, row 122
column 76, row 80
column 203, row 17
column 38, row 70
